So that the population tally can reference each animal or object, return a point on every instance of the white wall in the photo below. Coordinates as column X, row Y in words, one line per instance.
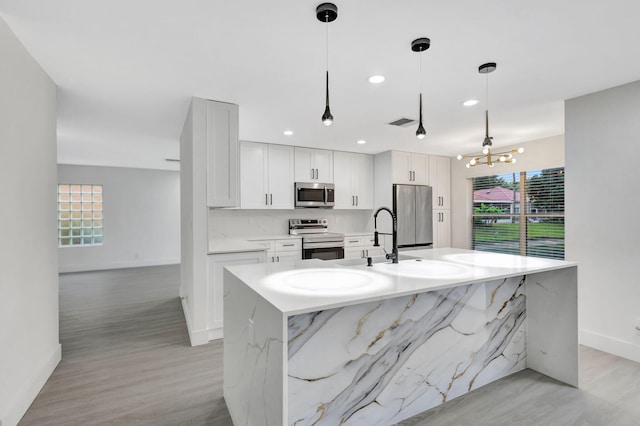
column 602, row 233
column 539, row 154
column 29, row 344
column 194, row 240
column 141, row 218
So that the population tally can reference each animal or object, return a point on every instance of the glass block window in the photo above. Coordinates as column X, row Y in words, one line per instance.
column 79, row 215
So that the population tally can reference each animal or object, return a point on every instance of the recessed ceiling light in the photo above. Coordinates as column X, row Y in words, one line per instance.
column 361, row 142
column 376, row 79
column 288, row 132
column 470, row 102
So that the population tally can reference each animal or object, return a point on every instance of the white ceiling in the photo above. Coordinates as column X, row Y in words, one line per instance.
column 127, row 69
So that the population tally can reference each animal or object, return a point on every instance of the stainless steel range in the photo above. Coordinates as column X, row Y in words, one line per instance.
column 317, row 241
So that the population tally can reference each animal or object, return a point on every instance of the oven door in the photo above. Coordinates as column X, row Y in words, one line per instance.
column 324, row 251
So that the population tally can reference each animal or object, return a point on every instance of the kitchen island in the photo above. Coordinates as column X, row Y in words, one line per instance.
column 324, row 343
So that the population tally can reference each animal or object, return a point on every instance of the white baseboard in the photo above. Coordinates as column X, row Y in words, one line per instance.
column 11, row 414
column 85, row 267
column 610, row 345
column 196, row 337
column 214, row 334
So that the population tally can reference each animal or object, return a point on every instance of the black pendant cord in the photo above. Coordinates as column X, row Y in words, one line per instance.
column 487, row 110
column 327, row 117
column 420, row 55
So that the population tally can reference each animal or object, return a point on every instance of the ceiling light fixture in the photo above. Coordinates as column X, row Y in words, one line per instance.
column 470, row 102
column 361, row 142
column 420, row 45
column 288, row 132
column 327, row 12
column 487, row 156
column 376, row 79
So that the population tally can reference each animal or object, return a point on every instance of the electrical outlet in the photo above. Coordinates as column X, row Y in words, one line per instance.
column 637, row 326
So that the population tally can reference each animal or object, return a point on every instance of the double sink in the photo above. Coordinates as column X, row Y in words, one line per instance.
column 353, row 276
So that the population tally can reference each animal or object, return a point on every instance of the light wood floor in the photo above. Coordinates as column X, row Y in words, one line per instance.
column 127, row 361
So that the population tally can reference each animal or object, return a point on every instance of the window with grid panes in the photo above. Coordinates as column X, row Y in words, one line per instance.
column 79, row 215
column 520, row 213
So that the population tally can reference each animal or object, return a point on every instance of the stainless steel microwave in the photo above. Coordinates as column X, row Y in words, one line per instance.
column 314, row 195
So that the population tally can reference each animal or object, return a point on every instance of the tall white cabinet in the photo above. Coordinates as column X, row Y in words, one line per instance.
column 353, row 178
column 267, row 176
column 313, row 165
column 439, row 179
column 222, row 154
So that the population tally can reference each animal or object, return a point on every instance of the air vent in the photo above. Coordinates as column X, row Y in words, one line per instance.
column 402, row 122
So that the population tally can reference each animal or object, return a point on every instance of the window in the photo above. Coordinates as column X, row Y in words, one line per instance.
column 520, row 213
column 79, row 215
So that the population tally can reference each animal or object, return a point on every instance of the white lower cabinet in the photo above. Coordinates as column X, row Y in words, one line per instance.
column 441, row 228
column 215, row 288
column 285, row 250
column 358, row 246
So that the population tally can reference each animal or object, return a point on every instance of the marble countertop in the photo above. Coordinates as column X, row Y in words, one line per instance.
column 312, row 285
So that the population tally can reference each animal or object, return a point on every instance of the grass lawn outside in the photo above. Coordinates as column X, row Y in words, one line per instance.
column 511, row 231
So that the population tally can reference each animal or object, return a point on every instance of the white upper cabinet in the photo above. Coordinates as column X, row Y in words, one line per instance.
column 313, row 165
column 222, row 154
column 267, row 176
column 410, row 168
column 281, row 183
column 353, row 178
column 439, row 179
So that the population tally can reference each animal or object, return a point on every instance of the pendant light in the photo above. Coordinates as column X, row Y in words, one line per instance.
column 487, row 157
column 420, row 45
column 327, row 12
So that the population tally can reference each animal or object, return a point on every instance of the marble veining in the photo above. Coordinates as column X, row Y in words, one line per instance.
column 381, row 362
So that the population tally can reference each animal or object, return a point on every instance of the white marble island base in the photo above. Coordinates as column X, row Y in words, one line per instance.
column 381, row 361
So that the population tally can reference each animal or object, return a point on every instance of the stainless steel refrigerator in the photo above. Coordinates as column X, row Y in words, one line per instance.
column 412, row 206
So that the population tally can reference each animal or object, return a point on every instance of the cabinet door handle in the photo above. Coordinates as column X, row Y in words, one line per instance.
column 353, row 200
column 317, row 174
column 278, row 257
column 288, row 245
column 266, row 199
column 273, row 259
column 356, row 200
column 367, row 252
column 353, row 241
column 271, row 199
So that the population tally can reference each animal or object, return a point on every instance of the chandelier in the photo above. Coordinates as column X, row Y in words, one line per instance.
column 487, row 156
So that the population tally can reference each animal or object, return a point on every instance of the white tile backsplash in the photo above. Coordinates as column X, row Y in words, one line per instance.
column 232, row 223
